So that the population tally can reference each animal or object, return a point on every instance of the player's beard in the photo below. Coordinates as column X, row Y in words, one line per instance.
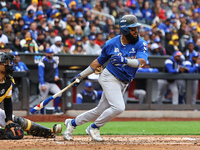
column 131, row 38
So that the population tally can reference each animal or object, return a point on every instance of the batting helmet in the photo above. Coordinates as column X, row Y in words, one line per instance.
column 126, row 22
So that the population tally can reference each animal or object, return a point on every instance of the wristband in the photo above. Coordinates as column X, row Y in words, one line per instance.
column 89, row 70
column 133, row 62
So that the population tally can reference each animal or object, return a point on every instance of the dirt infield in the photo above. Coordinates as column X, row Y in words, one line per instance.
column 112, row 142
column 61, row 118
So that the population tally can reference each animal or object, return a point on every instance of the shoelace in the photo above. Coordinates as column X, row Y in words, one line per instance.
column 97, row 133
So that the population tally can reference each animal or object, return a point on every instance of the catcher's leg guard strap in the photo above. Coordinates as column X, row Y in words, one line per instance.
column 33, row 128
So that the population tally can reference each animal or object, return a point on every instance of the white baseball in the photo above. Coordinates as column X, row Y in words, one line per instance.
column 77, row 80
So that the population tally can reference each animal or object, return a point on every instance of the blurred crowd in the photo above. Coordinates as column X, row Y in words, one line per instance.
column 74, row 27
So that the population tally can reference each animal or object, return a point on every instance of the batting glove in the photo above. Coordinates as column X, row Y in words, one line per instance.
column 74, row 78
column 117, row 60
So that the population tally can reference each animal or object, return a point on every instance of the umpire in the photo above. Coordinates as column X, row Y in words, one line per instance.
column 48, row 76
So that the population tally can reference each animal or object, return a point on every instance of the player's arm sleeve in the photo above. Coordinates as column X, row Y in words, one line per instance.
column 25, row 67
column 191, row 69
column 103, row 58
column 169, row 67
column 99, row 93
column 8, row 108
column 79, row 99
column 56, row 72
column 142, row 50
column 41, row 72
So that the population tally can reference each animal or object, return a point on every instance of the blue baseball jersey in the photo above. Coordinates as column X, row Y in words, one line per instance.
column 130, row 51
column 20, row 67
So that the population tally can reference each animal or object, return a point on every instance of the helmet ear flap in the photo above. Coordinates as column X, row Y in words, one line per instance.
column 125, row 30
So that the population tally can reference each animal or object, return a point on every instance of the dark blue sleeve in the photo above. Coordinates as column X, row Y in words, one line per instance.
column 99, row 93
column 191, row 69
column 142, row 50
column 103, row 58
column 79, row 100
column 25, row 67
column 170, row 68
column 41, row 73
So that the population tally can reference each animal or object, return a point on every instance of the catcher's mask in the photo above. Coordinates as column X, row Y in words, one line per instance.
column 7, row 60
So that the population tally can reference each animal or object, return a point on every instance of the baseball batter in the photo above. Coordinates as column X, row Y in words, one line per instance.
column 126, row 53
column 14, row 126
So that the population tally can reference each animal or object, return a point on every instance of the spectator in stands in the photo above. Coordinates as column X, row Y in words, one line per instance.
column 173, row 45
column 56, row 26
column 25, row 29
column 147, row 13
column 92, row 48
column 65, row 49
column 88, row 94
column 16, row 45
column 85, row 6
column 71, row 40
column 29, row 17
column 122, row 9
column 190, row 49
column 155, row 50
column 161, row 47
column 135, row 10
column 18, row 66
column 71, row 26
column 16, row 5
column 28, row 44
column 2, row 16
column 41, row 41
column 64, row 35
column 51, row 37
column 33, row 30
column 91, row 28
column 80, row 20
column 193, row 67
column 78, row 41
column 60, row 23
column 117, row 30
column 197, row 45
column 78, row 49
column 48, row 76
column 18, row 28
column 177, row 87
column 8, row 31
column 98, row 8
column 167, row 38
column 73, row 7
column 3, row 37
column 33, row 6
column 57, row 46
column 113, row 9
column 42, row 22
column 99, row 40
column 78, row 31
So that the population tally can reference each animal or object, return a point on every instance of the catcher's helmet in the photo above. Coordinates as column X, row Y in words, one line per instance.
column 4, row 57
column 126, row 22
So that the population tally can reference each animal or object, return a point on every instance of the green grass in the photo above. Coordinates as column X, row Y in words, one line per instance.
column 140, row 128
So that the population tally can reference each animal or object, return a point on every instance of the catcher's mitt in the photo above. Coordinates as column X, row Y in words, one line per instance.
column 99, row 70
column 8, row 134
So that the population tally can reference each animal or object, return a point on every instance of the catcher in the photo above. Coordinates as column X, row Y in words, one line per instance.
column 14, row 126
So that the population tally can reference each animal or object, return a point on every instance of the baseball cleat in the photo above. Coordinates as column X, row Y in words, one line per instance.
column 69, row 130
column 57, row 128
column 94, row 134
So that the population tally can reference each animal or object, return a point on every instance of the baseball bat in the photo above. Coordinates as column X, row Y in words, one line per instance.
column 45, row 102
